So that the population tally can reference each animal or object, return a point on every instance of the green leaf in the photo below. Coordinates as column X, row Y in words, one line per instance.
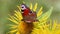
column 43, row 19
column 46, row 15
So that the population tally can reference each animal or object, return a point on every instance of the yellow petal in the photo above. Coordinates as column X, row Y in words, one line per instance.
column 17, row 33
column 39, row 12
column 18, row 15
column 54, row 25
column 50, row 23
column 13, row 17
column 19, row 8
column 35, row 7
column 13, row 20
column 13, row 26
column 31, row 6
column 37, row 31
column 13, row 31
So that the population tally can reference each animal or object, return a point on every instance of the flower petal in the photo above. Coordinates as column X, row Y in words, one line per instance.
column 31, row 6
column 39, row 12
column 35, row 7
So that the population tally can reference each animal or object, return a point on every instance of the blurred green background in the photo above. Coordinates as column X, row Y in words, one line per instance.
column 8, row 7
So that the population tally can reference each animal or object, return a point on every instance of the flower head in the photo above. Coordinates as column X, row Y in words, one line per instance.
column 20, row 26
column 52, row 28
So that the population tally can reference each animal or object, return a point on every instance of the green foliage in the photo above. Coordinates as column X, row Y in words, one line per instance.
column 43, row 18
column 45, row 15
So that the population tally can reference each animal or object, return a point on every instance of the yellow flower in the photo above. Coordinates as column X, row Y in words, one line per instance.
column 52, row 28
column 20, row 26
